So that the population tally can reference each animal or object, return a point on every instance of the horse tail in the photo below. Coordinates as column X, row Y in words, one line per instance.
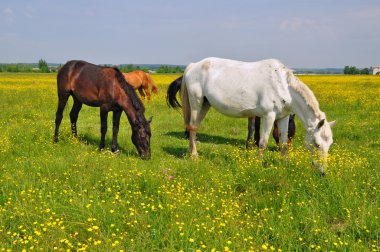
column 172, row 91
column 152, row 83
column 185, row 104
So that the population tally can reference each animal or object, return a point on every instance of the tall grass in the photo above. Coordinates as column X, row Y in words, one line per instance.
column 71, row 197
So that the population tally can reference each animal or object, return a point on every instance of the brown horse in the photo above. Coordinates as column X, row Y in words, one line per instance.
column 103, row 87
column 253, row 122
column 141, row 80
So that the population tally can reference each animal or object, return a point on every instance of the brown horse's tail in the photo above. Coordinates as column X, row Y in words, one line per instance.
column 151, row 81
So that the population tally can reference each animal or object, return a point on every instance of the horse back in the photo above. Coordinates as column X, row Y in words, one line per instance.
column 90, row 84
column 133, row 79
column 67, row 72
column 239, row 89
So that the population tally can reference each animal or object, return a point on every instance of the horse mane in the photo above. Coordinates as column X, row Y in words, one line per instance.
column 304, row 91
column 128, row 89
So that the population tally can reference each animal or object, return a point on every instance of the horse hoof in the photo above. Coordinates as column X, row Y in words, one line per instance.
column 249, row 145
column 115, row 152
column 193, row 156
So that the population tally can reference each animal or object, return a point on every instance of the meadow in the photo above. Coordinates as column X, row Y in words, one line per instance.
column 71, row 197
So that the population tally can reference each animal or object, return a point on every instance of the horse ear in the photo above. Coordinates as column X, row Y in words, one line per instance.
column 320, row 124
column 150, row 119
column 332, row 123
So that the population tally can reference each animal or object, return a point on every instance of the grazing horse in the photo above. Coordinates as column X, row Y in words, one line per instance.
column 265, row 88
column 103, row 87
column 141, row 80
column 253, row 122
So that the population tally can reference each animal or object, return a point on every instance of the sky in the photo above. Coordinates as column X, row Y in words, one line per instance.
column 303, row 34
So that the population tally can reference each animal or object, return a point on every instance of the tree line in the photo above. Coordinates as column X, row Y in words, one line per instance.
column 160, row 69
column 354, row 71
column 43, row 67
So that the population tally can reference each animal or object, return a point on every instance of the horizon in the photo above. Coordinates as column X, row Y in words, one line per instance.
column 163, row 64
column 312, row 34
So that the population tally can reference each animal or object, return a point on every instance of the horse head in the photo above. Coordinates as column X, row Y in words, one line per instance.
column 318, row 141
column 141, row 137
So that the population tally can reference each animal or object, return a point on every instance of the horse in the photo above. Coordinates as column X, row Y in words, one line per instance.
column 253, row 122
column 266, row 88
column 103, row 87
column 141, row 80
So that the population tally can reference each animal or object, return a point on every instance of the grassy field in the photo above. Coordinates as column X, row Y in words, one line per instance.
column 71, row 197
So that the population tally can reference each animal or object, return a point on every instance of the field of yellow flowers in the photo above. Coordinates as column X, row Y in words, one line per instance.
column 71, row 197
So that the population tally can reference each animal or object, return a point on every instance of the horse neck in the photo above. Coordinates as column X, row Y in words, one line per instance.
column 309, row 116
column 135, row 112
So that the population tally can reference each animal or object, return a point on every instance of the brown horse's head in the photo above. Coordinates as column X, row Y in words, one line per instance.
column 141, row 137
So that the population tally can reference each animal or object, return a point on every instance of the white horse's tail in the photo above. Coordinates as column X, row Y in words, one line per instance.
column 186, row 109
column 185, row 103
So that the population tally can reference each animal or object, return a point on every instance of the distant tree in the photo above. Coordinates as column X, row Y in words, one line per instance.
column 346, row 70
column 43, row 66
column 168, row 69
column 129, row 68
column 353, row 70
column 364, row 71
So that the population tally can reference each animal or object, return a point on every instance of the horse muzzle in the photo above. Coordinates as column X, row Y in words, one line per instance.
column 320, row 162
column 145, row 155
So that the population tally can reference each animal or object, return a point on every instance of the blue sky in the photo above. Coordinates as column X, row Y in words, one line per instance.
column 315, row 33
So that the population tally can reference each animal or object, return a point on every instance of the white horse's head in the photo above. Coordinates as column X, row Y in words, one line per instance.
column 318, row 141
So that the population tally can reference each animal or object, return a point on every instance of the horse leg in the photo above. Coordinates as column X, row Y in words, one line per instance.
column 257, row 130
column 147, row 92
column 77, row 106
column 202, row 114
column 283, row 124
column 276, row 133
column 141, row 91
column 291, row 130
column 115, row 128
column 251, row 129
column 62, row 100
column 268, row 121
column 103, row 126
column 198, row 112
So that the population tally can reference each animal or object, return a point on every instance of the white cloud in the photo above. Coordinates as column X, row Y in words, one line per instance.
column 322, row 26
column 296, row 24
column 29, row 12
column 7, row 14
column 369, row 13
column 7, row 37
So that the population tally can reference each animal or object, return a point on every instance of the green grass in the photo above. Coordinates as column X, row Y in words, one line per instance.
column 71, row 197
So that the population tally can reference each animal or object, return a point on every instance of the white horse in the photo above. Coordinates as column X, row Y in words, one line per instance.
column 265, row 88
